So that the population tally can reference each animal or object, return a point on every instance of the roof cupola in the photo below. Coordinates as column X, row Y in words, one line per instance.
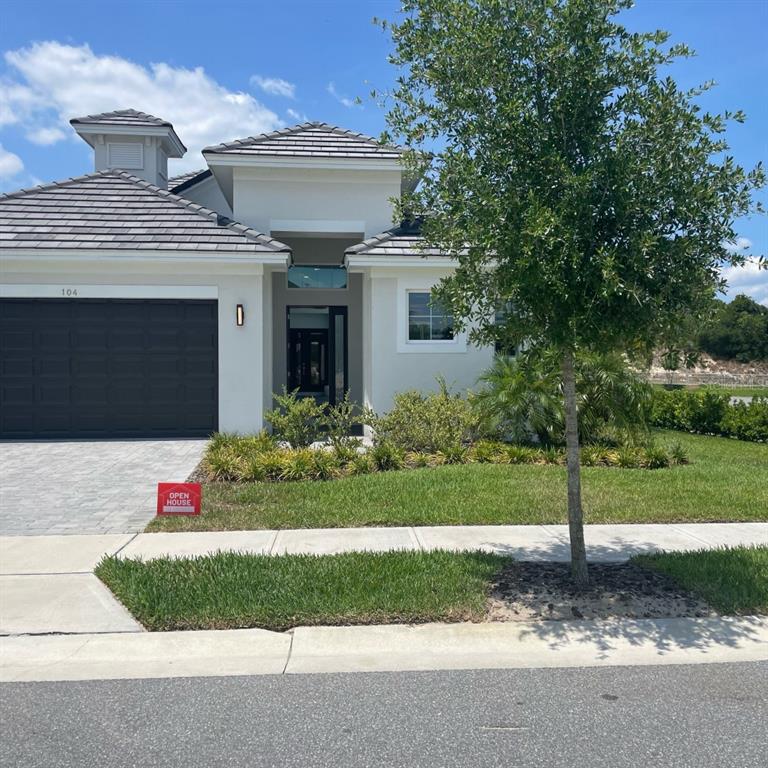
column 131, row 141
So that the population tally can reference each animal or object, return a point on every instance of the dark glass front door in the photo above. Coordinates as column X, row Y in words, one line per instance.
column 317, row 352
column 308, row 359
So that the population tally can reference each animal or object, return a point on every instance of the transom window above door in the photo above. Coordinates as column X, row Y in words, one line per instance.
column 309, row 276
column 428, row 320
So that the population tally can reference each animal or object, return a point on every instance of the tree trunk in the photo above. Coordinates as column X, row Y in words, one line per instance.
column 575, row 514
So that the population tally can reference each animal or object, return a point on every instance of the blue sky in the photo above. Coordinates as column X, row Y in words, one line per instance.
column 224, row 70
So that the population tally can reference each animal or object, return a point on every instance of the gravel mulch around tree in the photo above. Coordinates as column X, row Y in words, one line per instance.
column 536, row 591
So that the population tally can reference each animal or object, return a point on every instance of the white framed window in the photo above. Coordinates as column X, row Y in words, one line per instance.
column 428, row 320
column 127, row 155
column 442, row 338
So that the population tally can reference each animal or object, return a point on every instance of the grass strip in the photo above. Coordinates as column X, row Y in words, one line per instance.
column 732, row 580
column 727, row 481
column 231, row 590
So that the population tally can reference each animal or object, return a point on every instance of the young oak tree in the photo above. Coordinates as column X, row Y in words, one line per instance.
column 569, row 177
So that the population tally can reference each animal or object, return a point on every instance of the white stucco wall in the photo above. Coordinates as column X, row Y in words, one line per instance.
column 315, row 200
column 241, row 349
column 208, row 194
column 393, row 364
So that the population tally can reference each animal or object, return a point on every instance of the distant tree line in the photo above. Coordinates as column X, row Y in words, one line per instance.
column 737, row 331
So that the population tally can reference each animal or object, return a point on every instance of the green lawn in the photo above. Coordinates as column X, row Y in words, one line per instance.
column 731, row 580
column 727, row 480
column 230, row 590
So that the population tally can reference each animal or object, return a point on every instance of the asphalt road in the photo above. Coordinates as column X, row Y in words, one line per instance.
column 702, row 715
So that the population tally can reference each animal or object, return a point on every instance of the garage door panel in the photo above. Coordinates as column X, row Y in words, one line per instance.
column 17, row 339
column 108, row 368
column 50, row 365
column 127, row 338
column 55, row 394
column 20, row 366
column 90, row 339
column 18, row 395
column 52, row 339
column 49, row 311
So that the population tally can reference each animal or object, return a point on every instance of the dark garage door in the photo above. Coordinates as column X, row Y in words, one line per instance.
column 107, row 368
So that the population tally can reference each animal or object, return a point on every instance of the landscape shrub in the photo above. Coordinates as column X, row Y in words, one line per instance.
column 297, row 420
column 747, row 421
column 431, row 422
column 243, row 459
column 521, row 399
column 710, row 412
column 656, row 457
column 339, row 421
column 386, row 455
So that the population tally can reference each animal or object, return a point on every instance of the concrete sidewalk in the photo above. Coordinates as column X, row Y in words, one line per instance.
column 37, row 555
column 383, row 649
column 47, row 583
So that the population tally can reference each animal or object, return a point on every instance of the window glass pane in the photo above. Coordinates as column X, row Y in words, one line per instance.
column 305, row 276
column 438, row 308
column 419, row 329
column 428, row 320
column 418, row 304
column 442, row 327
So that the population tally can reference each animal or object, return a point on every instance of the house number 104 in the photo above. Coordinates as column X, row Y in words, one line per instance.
column 69, row 291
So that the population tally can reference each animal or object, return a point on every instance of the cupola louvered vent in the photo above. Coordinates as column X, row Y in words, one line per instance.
column 128, row 156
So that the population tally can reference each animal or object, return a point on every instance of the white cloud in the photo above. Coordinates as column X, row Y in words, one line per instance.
column 747, row 279
column 274, row 85
column 739, row 245
column 51, row 82
column 10, row 164
column 46, row 136
column 340, row 97
column 299, row 117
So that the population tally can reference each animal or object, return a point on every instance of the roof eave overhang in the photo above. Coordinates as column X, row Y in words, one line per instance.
column 191, row 182
column 226, row 159
column 172, row 144
column 144, row 255
column 417, row 261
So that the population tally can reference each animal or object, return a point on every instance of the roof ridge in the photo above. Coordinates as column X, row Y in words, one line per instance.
column 52, row 184
column 369, row 242
column 130, row 111
column 288, row 131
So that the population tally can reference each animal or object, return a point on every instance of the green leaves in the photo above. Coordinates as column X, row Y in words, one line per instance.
column 570, row 177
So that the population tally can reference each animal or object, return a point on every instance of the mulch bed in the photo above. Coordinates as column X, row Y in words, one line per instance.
column 545, row 591
column 198, row 475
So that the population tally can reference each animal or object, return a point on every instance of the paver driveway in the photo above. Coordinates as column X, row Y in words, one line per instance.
column 87, row 486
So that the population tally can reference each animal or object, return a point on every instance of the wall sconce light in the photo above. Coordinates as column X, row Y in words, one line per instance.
column 240, row 315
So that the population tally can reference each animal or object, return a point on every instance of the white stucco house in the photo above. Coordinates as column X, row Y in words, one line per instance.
column 134, row 305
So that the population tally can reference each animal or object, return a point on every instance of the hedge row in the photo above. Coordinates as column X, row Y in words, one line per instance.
column 710, row 412
column 258, row 459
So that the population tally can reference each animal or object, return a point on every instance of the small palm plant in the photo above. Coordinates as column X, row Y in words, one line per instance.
column 521, row 399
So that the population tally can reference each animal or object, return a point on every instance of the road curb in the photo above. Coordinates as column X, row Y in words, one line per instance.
column 384, row 648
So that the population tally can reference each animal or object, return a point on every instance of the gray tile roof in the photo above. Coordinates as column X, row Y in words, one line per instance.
column 127, row 118
column 318, row 140
column 398, row 241
column 113, row 210
column 121, row 117
column 185, row 180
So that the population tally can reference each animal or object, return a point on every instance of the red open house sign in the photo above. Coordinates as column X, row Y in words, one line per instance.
column 178, row 498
